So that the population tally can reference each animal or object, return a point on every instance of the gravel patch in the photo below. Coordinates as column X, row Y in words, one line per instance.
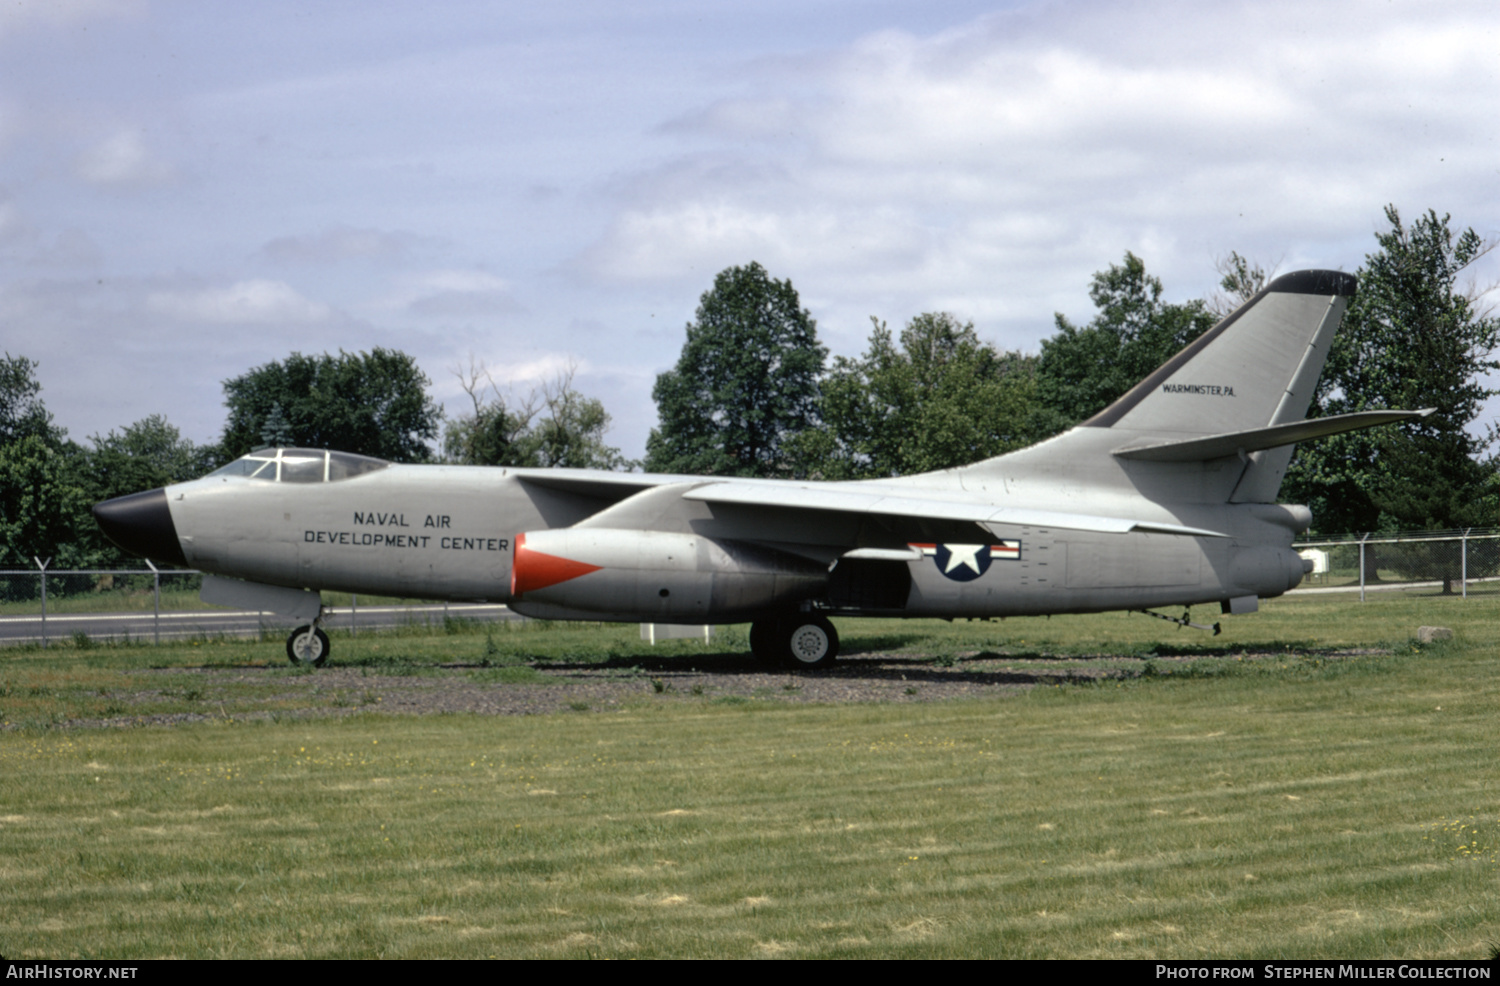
column 595, row 688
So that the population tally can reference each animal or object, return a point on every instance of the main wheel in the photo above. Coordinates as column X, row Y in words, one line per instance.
column 307, row 645
column 808, row 642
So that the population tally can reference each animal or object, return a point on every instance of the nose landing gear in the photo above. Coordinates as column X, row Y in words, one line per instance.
column 308, row 644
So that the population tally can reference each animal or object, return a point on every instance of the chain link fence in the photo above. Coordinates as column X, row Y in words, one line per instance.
column 1458, row 562
column 31, row 598
column 84, row 590
column 38, row 606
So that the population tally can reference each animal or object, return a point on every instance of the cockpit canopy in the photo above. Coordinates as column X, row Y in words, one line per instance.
column 300, row 465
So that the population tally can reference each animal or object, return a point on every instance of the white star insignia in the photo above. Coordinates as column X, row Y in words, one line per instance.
column 963, row 554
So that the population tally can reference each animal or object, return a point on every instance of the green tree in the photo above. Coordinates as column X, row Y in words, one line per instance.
column 488, row 437
column 373, row 403
column 1082, row 370
column 276, row 430
column 21, row 410
column 1410, row 339
column 940, row 399
column 746, row 382
column 1239, row 281
column 558, row 427
column 43, row 507
column 571, row 434
column 43, row 502
column 145, row 455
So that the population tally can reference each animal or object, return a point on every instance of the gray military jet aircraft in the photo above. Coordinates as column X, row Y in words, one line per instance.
column 1166, row 497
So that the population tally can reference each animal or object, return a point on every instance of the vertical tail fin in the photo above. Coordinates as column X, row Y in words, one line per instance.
column 1256, row 368
column 1226, row 394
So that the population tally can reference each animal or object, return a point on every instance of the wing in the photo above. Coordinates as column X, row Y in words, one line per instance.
column 833, row 498
column 636, row 500
column 840, row 499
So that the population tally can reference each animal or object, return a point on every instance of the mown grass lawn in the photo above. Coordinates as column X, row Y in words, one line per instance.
column 1341, row 800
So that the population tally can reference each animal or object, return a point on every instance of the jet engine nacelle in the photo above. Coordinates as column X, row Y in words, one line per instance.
column 654, row 576
column 1266, row 571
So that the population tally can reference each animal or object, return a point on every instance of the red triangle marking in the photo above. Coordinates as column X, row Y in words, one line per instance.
column 533, row 570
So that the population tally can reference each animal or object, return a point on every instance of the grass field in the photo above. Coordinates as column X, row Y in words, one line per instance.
column 1339, row 799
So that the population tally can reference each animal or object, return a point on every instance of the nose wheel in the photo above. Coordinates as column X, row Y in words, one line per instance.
column 308, row 644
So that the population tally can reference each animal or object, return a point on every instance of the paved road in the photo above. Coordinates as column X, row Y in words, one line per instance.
column 1385, row 586
column 230, row 623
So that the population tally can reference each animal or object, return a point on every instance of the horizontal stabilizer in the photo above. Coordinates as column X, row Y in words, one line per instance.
column 1233, row 443
column 791, row 496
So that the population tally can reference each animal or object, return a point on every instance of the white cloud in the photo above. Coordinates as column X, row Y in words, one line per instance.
column 341, row 243
column 18, row 14
column 14, row 227
column 243, row 303
column 461, row 294
column 21, row 243
column 459, row 281
column 10, row 120
column 122, row 160
column 542, row 370
column 72, row 250
column 1019, row 153
column 702, row 237
column 115, row 349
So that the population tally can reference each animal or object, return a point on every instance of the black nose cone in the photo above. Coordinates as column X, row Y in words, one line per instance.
column 141, row 523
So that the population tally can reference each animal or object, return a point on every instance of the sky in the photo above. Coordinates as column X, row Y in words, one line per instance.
column 192, row 189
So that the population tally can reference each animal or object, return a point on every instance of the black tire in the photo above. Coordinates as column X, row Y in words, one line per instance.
column 307, row 645
column 807, row 642
column 764, row 636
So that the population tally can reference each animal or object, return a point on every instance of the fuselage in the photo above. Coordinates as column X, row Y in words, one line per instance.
column 649, row 553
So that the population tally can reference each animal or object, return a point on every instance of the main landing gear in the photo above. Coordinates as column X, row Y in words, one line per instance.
column 795, row 640
column 308, row 644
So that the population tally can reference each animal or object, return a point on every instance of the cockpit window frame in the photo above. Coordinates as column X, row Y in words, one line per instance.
column 336, row 466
